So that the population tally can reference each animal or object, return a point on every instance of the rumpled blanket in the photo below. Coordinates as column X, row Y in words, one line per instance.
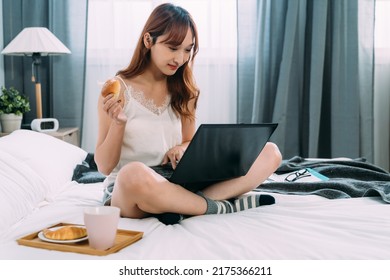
column 87, row 172
column 347, row 179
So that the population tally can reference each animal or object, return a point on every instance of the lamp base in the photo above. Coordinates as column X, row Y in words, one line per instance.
column 45, row 124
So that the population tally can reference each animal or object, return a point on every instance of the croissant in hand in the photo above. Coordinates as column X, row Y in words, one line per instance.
column 111, row 86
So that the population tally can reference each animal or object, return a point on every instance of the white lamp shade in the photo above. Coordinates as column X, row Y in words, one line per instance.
column 35, row 40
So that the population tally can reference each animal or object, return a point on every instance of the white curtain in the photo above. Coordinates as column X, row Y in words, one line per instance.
column 113, row 30
column 382, row 84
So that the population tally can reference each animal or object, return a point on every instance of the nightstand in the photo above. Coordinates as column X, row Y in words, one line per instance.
column 67, row 134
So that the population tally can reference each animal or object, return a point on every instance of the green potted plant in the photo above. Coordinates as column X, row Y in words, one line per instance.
column 12, row 107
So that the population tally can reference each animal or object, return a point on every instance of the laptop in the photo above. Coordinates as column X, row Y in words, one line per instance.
column 218, row 152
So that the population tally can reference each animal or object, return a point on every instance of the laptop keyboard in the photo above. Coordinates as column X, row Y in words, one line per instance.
column 164, row 170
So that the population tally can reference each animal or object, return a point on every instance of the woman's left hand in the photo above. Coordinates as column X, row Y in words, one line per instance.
column 173, row 155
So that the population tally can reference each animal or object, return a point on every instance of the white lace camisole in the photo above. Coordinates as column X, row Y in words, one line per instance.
column 149, row 133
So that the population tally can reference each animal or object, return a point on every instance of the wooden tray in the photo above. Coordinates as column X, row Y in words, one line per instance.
column 123, row 238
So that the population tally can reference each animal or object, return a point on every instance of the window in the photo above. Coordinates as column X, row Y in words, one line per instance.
column 382, row 38
column 382, row 84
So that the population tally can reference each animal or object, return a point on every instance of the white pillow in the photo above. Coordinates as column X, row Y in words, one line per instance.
column 52, row 159
column 21, row 189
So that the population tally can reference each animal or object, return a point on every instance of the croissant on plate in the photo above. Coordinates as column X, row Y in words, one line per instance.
column 65, row 233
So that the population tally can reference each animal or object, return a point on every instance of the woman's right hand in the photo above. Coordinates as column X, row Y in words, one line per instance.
column 113, row 107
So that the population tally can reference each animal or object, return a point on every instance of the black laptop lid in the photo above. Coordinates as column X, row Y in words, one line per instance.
column 221, row 151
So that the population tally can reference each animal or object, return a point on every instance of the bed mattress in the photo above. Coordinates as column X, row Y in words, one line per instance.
column 294, row 228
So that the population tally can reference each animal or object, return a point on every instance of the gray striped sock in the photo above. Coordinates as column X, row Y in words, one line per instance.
column 218, row 206
column 247, row 202
column 239, row 204
column 252, row 201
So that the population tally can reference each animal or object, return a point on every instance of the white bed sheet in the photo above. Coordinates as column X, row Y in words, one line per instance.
column 295, row 228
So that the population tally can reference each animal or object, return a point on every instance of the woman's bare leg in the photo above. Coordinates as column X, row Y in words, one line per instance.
column 140, row 191
column 266, row 163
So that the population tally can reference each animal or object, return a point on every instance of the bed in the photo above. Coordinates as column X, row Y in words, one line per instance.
column 37, row 191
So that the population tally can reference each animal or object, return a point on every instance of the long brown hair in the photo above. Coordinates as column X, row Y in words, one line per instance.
column 174, row 21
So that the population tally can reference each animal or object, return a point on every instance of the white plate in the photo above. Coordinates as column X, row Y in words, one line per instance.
column 43, row 238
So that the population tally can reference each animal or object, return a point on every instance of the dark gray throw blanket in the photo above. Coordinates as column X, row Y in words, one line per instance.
column 347, row 179
column 87, row 172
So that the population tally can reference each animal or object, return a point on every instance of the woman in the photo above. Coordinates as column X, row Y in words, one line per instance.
column 152, row 123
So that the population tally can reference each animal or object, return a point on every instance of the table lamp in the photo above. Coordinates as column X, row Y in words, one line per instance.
column 36, row 42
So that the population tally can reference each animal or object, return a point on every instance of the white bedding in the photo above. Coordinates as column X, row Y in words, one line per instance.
column 294, row 228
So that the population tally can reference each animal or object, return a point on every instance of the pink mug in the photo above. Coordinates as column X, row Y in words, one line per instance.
column 101, row 223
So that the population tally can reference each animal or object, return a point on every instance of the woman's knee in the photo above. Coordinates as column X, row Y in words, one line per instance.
column 273, row 154
column 133, row 178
